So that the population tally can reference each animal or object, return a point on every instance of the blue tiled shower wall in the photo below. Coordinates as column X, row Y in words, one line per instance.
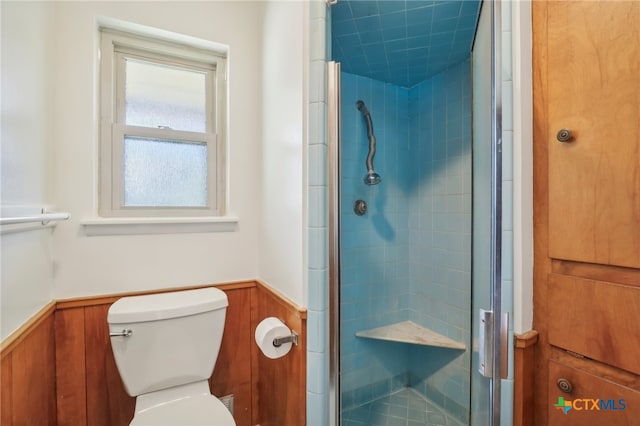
column 409, row 256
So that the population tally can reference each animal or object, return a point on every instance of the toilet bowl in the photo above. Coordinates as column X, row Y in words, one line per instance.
column 165, row 347
column 193, row 405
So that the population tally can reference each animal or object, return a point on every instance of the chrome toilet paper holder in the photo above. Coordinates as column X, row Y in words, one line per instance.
column 292, row 338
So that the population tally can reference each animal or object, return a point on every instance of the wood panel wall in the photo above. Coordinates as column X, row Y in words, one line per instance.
column 233, row 371
column 281, row 396
column 27, row 373
column 60, row 369
column 524, row 376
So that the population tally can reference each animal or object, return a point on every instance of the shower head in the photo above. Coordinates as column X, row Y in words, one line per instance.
column 372, row 178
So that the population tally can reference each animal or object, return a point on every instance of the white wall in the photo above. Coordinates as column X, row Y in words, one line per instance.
column 26, row 266
column 110, row 264
column 50, row 147
column 282, row 248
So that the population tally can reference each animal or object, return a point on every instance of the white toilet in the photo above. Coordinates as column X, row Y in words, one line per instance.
column 165, row 346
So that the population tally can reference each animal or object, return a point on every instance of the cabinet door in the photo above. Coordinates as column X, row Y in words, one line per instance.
column 596, row 319
column 590, row 401
column 594, row 91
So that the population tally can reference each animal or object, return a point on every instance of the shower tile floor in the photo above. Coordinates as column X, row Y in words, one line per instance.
column 403, row 408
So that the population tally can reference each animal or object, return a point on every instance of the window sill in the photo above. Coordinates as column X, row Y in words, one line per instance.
column 158, row 225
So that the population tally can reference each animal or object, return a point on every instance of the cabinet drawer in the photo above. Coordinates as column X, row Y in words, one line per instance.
column 593, row 401
column 597, row 319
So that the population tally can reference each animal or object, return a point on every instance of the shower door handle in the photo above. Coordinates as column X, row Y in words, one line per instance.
column 485, row 344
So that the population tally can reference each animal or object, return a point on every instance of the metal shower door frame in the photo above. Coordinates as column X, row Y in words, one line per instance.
column 500, row 323
column 333, row 121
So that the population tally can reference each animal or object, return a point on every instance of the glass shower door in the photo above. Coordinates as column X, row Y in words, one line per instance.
column 484, row 408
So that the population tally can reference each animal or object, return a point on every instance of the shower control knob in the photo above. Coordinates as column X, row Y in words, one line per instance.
column 564, row 385
column 360, row 207
column 564, row 135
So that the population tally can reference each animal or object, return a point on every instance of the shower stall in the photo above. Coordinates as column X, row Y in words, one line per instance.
column 417, row 334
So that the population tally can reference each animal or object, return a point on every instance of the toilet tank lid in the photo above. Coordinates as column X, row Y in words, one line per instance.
column 160, row 306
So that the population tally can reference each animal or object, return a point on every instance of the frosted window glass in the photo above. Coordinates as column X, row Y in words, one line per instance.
column 158, row 95
column 164, row 173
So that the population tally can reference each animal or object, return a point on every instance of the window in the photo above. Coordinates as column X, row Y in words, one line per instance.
column 161, row 129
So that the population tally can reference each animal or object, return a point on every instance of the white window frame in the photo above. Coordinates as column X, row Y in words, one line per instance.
column 115, row 47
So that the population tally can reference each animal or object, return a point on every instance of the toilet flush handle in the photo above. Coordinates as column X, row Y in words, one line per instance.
column 127, row 332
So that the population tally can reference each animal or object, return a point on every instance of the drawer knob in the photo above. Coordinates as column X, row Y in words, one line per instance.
column 564, row 385
column 564, row 135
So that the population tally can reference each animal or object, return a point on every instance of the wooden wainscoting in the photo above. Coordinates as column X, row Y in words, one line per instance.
column 233, row 371
column 90, row 391
column 281, row 386
column 524, row 376
column 27, row 373
column 59, row 368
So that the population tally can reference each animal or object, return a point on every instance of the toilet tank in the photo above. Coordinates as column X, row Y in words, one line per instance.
column 175, row 338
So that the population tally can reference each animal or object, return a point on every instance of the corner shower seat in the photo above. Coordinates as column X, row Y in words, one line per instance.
column 412, row 333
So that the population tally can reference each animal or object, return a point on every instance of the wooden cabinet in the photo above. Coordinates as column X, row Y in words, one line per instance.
column 589, row 400
column 594, row 91
column 587, row 207
column 597, row 319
